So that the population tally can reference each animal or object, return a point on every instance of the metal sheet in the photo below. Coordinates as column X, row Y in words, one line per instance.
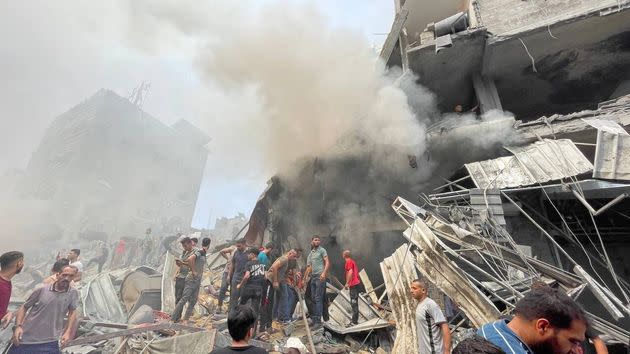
column 340, row 312
column 168, row 285
column 540, row 162
column 612, row 156
column 101, row 302
column 398, row 273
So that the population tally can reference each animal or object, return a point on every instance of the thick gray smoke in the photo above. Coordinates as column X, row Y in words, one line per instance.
column 323, row 113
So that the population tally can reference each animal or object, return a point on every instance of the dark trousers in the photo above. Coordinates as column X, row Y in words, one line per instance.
column 250, row 295
column 179, row 288
column 190, row 295
column 318, row 294
column 234, row 292
column 100, row 261
column 225, row 284
column 282, row 302
column 354, row 303
column 266, row 306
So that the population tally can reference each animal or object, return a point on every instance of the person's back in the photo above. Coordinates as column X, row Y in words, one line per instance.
column 240, row 323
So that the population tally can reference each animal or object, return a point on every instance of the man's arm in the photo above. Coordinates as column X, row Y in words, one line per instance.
column 600, row 346
column 224, row 252
column 68, row 333
column 274, row 270
column 446, row 335
column 21, row 314
column 326, row 267
column 190, row 262
column 245, row 277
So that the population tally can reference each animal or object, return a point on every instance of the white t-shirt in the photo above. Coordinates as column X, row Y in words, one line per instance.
column 77, row 264
column 428, row 320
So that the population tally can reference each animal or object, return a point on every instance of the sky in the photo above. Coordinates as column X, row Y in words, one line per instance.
column 55, row 55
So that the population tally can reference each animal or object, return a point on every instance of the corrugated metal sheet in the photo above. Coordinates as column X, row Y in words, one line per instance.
column 101, row 302
column 340, row 312
column 490, row 201
column 540, row 162
column 612, row 156
column 168, row 285
column 398, row 273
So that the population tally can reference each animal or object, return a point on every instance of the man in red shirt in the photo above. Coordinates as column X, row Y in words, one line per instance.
column 11, row 263
column 352, row 283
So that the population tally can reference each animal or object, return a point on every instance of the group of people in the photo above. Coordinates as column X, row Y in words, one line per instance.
column 39, row 323
column 545, row 320
column 272, row 288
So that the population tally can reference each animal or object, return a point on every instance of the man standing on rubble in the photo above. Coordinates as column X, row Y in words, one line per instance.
column 278, row 273
column 434, row 336
column 252, row 284
column 226, row 253
column 352, row 283
column 182, row 271
column 317, row 266
column 11, row 263
column 545, row 321
column 239, row 264
column 73, row 257
column 195, row 261
column 38, row 331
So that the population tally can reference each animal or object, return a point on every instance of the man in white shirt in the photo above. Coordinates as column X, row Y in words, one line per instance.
column 434, row 336
column 73, row 257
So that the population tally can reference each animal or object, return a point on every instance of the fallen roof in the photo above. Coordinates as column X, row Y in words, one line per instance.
column 540, row 162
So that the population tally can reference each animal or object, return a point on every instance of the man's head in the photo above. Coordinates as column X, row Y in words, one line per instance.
column 241, row 245
column 419, row 289
column 68, row 273
column 12, row 261
column 315, row 241
column 73, row 256
column 241, row 323
column 549, row 321
column 346, row 254
column 59, row 265
column 187, row 243
column 476, row 345
column 268, row 247
column 252, row 253
column 205, row 242
column 195, row 241
column 292, row 254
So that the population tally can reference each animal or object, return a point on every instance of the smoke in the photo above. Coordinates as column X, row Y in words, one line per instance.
column 317, row 108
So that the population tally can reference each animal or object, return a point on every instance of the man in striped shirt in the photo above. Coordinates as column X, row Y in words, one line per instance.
column 434, row 336
column 545, row 321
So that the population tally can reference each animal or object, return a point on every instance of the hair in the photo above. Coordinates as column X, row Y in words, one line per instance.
column 476, row 345
column 185, row 239
column 421, row 282
column 315, row 236
column 9, row 258
column 205, row 242
column 194, row 239
column 240, row 241
column 60, row 264
column 253, row 250
column 240, row 320
column 269, row 245
column 553, row 305
column 76, row 269
column 76, row 250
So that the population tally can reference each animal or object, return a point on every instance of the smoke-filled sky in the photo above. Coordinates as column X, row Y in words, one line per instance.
column 221, row 65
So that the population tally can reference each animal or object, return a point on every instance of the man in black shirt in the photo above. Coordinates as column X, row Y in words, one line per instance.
column 241, row 327
column 252, row 284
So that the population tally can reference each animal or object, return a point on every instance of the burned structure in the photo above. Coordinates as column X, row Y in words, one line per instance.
column 106, row 166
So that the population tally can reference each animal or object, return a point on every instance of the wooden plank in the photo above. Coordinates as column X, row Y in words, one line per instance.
column 394, row 34
column 369, row 288
column 128, row 332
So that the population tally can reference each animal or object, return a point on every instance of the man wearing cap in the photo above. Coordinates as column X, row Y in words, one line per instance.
column 195, row 262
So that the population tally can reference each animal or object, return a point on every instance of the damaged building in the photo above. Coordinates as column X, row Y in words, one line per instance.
column 140, row 173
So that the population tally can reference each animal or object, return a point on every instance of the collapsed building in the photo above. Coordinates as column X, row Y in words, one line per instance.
column 106, row 167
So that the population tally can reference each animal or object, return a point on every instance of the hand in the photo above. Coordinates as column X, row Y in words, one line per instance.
column 238, row 286
column 346, row 286
column 6, row 319
column 276, row 285
column 17, row 335
column 66, row 338
column 322, row 277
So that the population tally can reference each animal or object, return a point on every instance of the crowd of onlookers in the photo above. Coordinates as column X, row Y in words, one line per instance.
column 263, row 290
